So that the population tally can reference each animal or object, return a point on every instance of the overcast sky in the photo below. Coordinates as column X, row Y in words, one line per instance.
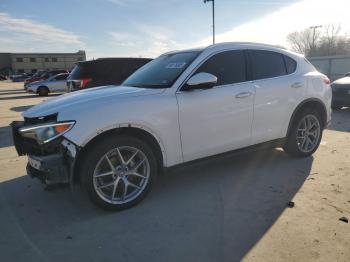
column 148, row 28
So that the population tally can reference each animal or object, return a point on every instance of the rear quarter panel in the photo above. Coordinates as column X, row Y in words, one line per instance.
column 317, row 88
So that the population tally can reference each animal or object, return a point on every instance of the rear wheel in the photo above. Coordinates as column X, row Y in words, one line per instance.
column 305, row 134
column 118, row 172
column 43, row 91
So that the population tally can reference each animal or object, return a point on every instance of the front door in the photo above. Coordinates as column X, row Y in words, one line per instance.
column 219, row 119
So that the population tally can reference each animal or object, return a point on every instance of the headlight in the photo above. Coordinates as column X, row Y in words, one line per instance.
column 46, row 132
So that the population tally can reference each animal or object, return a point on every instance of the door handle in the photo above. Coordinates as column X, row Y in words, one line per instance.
column 297, row 85
column 243, row 95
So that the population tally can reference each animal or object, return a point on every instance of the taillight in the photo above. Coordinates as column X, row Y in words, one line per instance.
column 327, row 81
column 84, row 82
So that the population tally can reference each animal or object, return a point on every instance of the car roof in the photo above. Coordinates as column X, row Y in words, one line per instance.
column 113, row 59
column 239, row 45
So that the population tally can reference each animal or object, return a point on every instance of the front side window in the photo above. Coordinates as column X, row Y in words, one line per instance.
column 266, row 64
column 229, row 67
column 161, row 72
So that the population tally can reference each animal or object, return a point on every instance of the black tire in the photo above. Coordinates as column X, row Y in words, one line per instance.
column 96, row 152
column 43, row 91
column 291, row 146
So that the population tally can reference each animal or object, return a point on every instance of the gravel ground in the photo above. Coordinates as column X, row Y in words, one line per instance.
column 230, row 208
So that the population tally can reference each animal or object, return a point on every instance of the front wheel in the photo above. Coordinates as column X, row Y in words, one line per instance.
column 118, row 172
column 305, row 134
column 43, row 91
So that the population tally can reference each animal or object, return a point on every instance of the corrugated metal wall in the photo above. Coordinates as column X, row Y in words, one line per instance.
column 333, row 66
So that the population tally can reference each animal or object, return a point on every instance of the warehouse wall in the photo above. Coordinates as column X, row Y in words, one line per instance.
column 333, row 66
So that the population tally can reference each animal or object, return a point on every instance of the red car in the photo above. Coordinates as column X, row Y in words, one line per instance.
column 42, row 75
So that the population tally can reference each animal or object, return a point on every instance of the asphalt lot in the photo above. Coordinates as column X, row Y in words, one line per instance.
column 225, row 209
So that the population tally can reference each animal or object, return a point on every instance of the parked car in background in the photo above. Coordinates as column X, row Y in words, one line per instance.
column 2, row 77
column 42, row 75
column 341, row 92
column 103, row 71
column 56, row 83
column 19, row 77
column 182, row 106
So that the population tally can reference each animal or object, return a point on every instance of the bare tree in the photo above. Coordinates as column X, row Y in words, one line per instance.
column 328, row 41
column 305, row 41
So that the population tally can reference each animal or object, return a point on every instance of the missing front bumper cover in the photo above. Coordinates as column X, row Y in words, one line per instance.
column 50, row 169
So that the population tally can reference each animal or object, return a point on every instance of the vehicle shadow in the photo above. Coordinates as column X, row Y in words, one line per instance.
column 12, row 93
column 25, row 96
column 215, row 210
column 5, row 136
column 20, row 108
column 341, row 120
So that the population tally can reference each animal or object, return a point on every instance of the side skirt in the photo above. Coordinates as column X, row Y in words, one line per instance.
column 262, row 146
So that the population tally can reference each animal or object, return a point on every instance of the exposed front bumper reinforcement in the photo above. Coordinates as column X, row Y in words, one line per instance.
column 50, row 169
column 52, row 163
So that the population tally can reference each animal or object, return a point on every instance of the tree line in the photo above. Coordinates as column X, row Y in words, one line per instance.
column 320, row 41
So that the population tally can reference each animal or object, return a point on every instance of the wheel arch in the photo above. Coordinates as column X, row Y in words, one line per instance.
column 313, row 103
column 140, row 132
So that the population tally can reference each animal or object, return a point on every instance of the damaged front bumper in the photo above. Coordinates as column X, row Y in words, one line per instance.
column 52, row 163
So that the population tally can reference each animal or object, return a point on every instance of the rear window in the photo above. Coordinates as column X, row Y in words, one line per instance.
column 79, row 72
column 266, row 64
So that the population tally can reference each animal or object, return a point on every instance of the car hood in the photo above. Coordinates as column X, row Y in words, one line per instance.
column 89, row 97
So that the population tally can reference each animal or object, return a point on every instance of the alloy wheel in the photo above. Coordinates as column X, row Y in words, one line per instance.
column 121, row 175
column 308, row 133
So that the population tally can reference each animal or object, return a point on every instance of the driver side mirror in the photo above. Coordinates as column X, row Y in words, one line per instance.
column 201, row 81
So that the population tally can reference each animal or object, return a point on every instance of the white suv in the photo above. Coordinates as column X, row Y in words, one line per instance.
column 182, row 106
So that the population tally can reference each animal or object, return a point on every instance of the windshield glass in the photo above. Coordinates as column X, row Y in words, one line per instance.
column 39, row 73
column 161, row 72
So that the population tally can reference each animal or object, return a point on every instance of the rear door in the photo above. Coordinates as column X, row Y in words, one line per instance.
column 219, row 119
column 279, row 89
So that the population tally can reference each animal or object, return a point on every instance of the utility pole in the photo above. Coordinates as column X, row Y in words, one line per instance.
column 313, row 28
column 213, row 8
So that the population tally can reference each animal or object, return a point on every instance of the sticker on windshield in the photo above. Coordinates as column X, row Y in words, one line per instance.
column 176, row 65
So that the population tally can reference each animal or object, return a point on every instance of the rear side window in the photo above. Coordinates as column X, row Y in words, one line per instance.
column 291, row 65
column 266, row 64
column 228, row 67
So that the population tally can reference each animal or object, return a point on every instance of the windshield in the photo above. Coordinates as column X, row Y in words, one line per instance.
column 161, row 72
column 39, row 73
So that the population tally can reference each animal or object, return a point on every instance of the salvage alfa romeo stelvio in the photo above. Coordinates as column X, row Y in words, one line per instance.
column 182, row 106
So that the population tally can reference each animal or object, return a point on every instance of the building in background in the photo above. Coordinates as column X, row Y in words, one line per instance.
column 11, row 63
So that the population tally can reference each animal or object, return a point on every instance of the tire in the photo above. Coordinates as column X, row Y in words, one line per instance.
column 297, row 140
column 108, row 191
column 43, row 91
